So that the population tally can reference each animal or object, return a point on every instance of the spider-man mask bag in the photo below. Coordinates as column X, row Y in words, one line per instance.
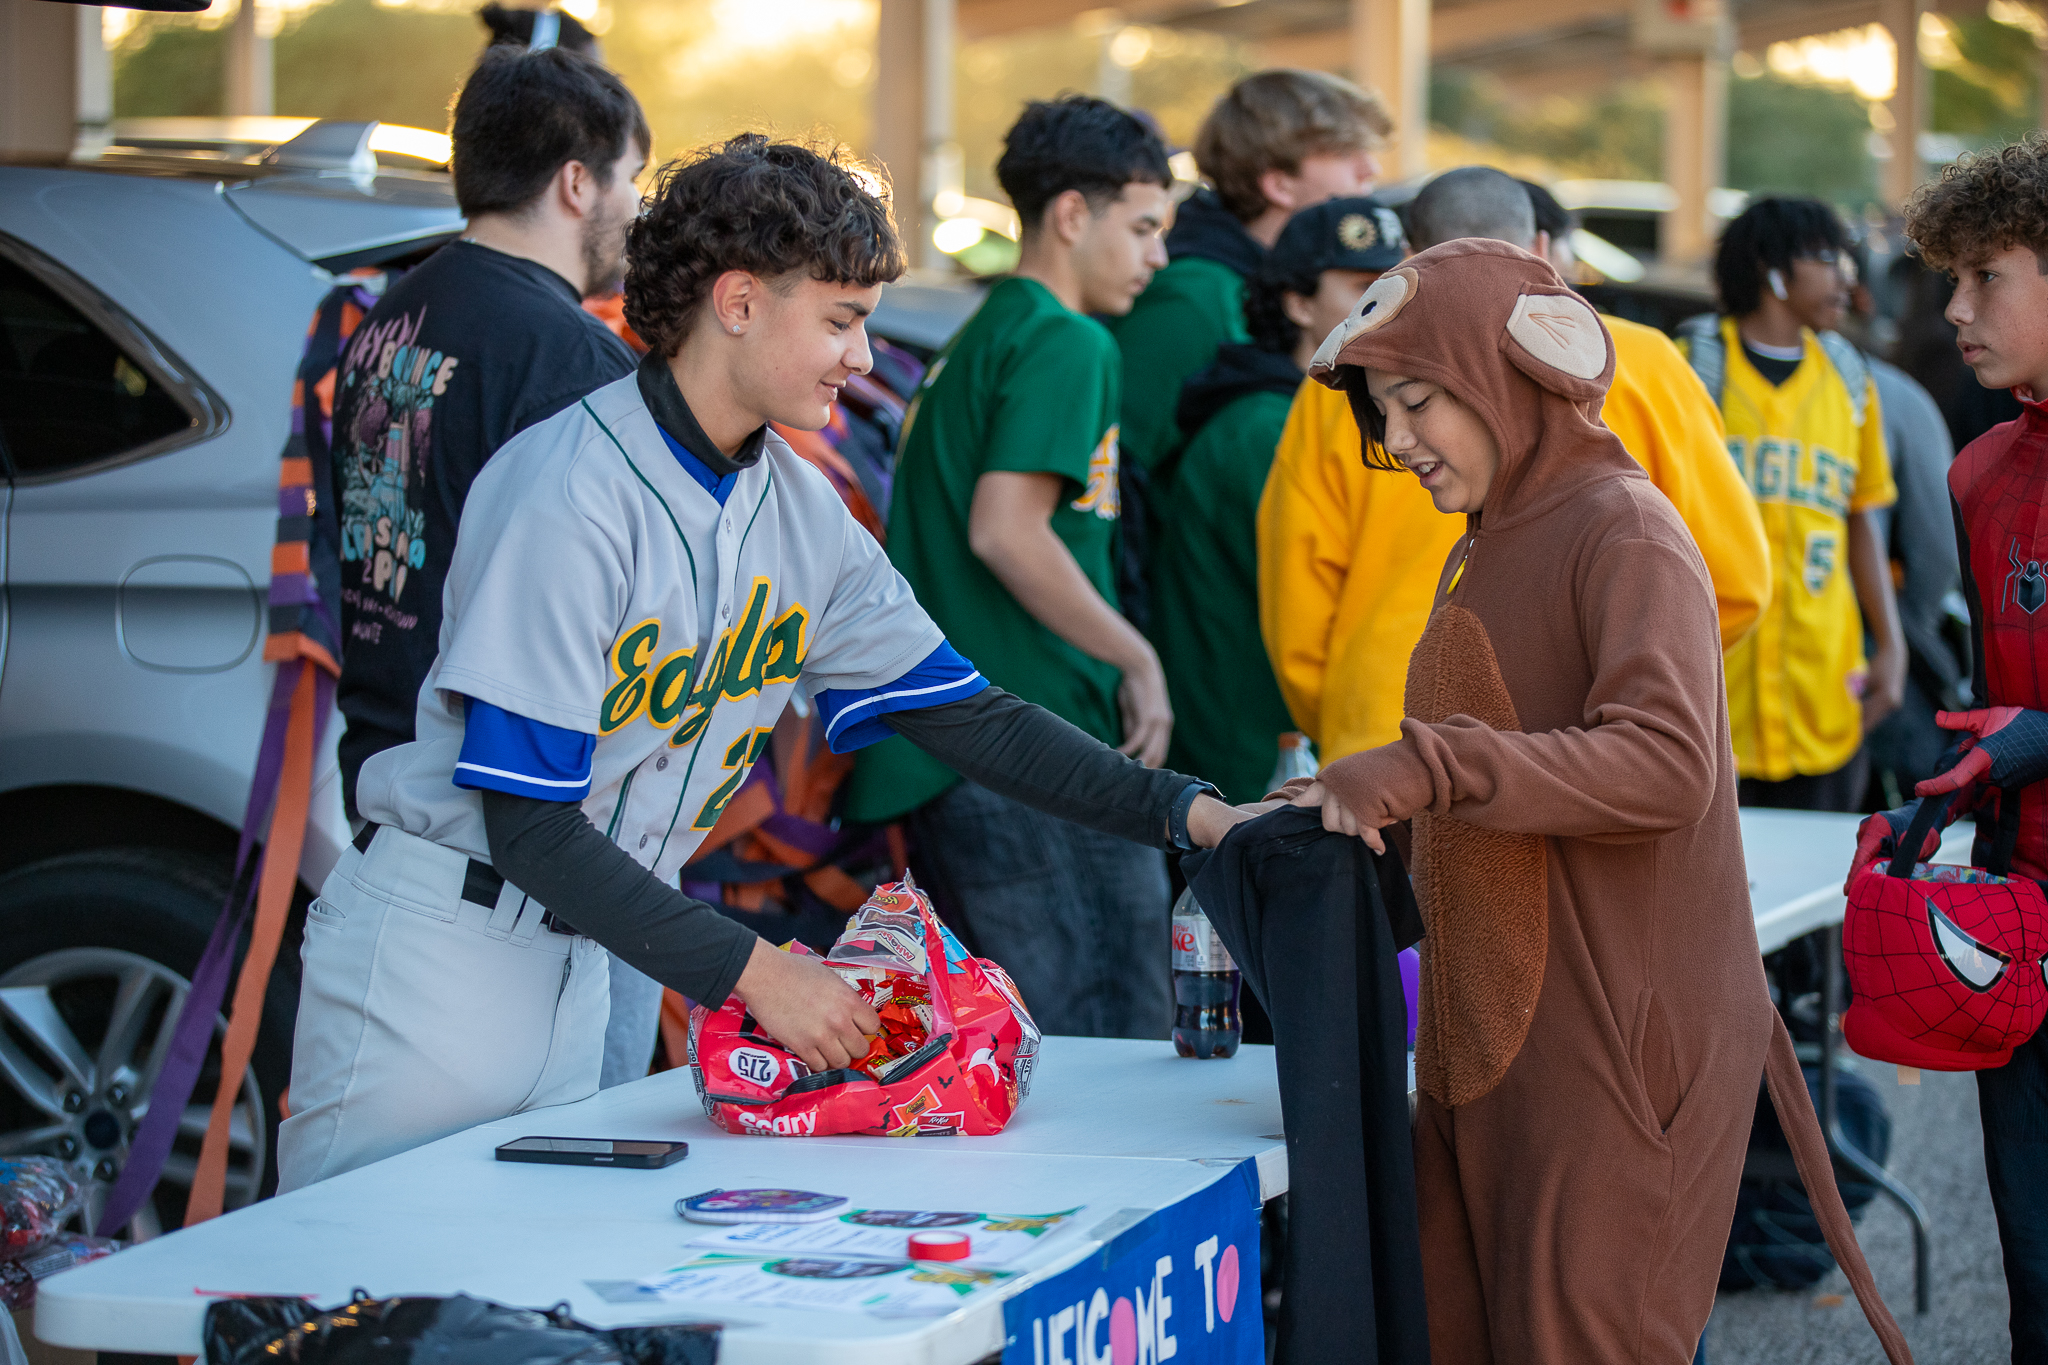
column 1945, row 961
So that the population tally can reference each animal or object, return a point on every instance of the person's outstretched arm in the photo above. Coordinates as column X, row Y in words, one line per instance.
column 1033, row 757
column 551, row 851
column 1643, row 761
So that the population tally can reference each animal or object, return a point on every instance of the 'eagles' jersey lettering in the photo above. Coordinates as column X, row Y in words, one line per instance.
column 630, row 657
column 1775, row 472
column 671, row 690
column 743, row 671
column 747, row 658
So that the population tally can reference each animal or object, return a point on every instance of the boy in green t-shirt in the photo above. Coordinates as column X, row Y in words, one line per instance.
column 1276, row 143
column 1004, row 520
column 1228, row 711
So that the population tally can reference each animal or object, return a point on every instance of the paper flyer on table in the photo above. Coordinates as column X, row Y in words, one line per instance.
column 888, row 1289
column 998, row 1240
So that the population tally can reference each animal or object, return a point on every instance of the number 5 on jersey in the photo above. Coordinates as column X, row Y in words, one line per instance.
column 740, row 757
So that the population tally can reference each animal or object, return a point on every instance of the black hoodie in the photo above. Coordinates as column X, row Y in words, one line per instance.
column 1237, row 370
column 1204, row 228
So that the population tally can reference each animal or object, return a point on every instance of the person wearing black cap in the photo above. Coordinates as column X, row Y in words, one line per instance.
column 1228, row 708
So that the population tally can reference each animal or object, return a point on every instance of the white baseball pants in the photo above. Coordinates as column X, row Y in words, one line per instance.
column 422, row 1014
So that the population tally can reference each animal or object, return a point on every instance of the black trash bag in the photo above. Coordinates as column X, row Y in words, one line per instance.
column 1776, row 1242
column 426, row 1330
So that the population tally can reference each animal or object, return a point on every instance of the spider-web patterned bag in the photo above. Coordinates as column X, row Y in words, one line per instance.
column 954, row 1054
column 1945, row 961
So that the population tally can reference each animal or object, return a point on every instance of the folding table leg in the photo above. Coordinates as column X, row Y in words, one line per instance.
column 1839, row 1143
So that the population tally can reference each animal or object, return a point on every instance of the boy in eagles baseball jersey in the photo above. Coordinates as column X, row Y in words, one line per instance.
column 639, row 585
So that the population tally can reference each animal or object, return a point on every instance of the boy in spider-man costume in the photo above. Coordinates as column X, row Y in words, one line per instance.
column 1985, row 221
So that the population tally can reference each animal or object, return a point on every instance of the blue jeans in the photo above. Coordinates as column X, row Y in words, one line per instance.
column 1077, row 918
column 2013, row 1100
column 635, row 1019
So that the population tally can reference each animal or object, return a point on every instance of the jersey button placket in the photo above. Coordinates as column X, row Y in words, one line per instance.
column 728, row 562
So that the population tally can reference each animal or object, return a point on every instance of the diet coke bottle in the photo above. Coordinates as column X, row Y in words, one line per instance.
column 1205, row 986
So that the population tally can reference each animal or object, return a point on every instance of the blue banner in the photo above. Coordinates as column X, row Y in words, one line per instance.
column 1181, row 1286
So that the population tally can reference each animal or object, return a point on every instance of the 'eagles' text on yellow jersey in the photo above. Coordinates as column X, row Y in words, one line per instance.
column 1794, row 682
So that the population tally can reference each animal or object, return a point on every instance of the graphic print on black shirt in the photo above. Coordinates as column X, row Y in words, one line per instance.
column 459, row 356
column 381, row 465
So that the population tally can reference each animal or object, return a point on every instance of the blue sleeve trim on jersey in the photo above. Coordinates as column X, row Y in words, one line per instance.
column 505, row 752
column 853, row 716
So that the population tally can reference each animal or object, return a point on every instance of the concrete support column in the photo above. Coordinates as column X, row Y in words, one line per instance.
column 914, row 48
column 1695, row 151
column 250, row 82
column 38, row 78
column 1910, row 106
column 95, row 81
column 1390, row 54
column 942, row 174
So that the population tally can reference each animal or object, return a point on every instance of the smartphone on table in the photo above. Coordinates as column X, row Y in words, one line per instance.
column 564, row 1151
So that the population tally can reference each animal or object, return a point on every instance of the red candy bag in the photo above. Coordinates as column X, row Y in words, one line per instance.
column 954, row 1055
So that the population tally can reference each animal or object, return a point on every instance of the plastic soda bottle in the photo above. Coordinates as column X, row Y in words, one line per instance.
column 1296, row 760
column 1205, row 986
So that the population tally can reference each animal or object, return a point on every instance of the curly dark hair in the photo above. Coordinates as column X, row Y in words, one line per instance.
column 1769, row 235
column 1982, row 203
column 769, row 208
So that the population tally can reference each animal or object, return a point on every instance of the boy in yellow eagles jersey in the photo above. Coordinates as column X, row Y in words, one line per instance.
column 1803, row 425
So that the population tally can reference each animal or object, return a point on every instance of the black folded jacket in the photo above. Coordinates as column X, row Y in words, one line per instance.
column 1315, row 920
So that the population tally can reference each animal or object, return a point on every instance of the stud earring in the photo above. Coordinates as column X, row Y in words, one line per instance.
column 735, row 329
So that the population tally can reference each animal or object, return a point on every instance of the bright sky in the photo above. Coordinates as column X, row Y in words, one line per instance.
column 1863, row 59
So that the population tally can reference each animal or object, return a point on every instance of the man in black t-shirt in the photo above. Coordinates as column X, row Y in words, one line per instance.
column 483, row 340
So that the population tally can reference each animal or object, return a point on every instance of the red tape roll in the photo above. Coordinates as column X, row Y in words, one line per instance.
column 939, row 1246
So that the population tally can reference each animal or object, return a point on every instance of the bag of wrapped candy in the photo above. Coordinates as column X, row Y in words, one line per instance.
column 954, row 1054
column 37, row 1195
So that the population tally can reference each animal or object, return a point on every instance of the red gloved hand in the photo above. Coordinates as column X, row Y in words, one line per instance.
column 1877, row 839
column 2004, row 745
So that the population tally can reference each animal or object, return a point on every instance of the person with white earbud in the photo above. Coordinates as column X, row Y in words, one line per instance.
column 1801, row 410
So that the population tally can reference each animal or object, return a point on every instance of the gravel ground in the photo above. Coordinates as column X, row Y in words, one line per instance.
column 1938, row 1151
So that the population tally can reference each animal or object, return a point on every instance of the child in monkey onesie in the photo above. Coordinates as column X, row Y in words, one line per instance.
column 1594, row 1015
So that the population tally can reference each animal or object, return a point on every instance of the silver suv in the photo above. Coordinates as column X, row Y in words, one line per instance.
column 153, row 305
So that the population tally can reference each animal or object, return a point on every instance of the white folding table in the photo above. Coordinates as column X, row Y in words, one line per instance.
column 1115, row 1125
column 1797, row 863
column 1125, row 1128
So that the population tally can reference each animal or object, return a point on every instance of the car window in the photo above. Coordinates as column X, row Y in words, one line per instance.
column 69, row 395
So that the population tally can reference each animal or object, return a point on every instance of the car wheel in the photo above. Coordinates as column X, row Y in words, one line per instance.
column 96, row 957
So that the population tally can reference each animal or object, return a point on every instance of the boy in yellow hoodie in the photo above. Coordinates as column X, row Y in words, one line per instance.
column 1324, row 513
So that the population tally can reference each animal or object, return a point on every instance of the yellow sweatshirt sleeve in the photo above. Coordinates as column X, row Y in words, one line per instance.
column 1670, row 424
column 1305, row 547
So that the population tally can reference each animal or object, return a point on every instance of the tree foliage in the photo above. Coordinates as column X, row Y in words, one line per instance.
column 1788, row 137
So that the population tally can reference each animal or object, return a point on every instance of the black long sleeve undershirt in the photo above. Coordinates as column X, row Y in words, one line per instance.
column 549, row 850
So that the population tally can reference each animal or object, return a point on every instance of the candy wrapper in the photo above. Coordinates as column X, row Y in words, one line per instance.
column 37, row 1195
column 953, row 1056
column 19, row 1277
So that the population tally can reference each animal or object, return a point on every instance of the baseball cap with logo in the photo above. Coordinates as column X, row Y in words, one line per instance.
column 1353, row 233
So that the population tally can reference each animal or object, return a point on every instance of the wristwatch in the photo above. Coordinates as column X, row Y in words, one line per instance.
column 1177, row 818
